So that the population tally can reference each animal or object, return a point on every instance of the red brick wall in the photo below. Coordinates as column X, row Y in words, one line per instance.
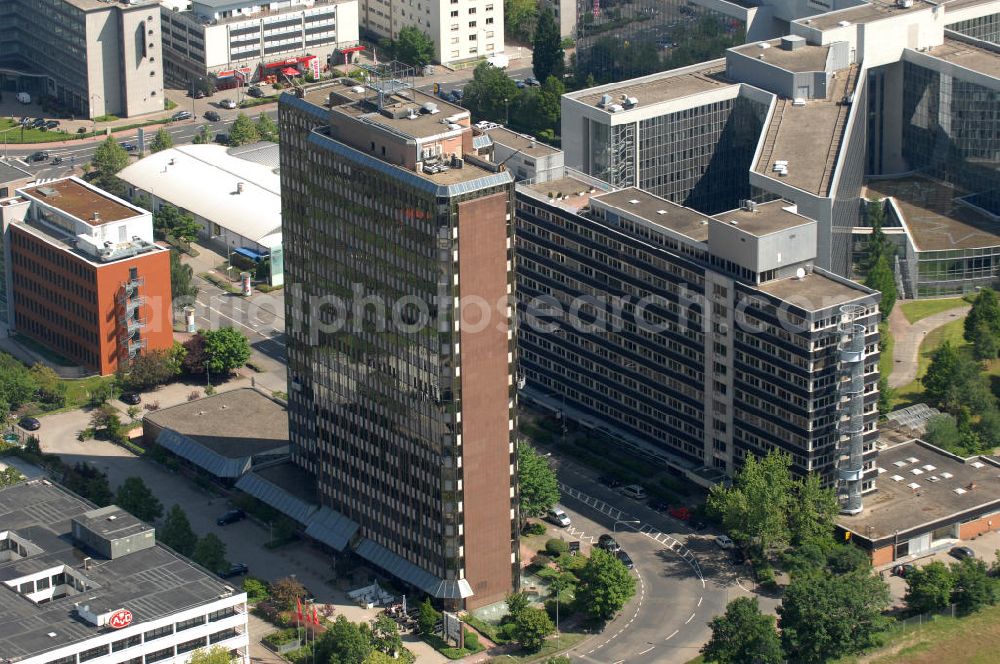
column 486, row 458
column 882, row 556
column 154, row 270
column 979, row 526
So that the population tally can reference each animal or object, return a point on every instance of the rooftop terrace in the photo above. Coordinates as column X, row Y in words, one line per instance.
column 81, row 200
column 576, row 192
column 153, row 583
column 665, row 86
column 932, row 216
column 946, row 486
column 866, row 13
column 659, row 212
column 524, row 144
column 765, row 218
column 814, row 292
column 808, row 137
column 804, row 58
column 971, row 57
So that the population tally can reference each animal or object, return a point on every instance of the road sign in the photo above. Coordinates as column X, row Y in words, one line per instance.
column 452, row 628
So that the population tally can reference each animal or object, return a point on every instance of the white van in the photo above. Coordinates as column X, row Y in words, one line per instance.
column 24, row 97
column 634, row 491
column 558, row 517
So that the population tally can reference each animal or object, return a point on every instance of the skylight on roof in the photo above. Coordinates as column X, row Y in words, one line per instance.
column 661, row 212
column 959, row 490
column 933, row 478
column 913, row 485
column 634, row 201
column 977, row 464
column 899, row 464
column 946, row 476
column 913, row 459
column 896, row 478
column 929, row 468
column 917, row 471
column 881, row 470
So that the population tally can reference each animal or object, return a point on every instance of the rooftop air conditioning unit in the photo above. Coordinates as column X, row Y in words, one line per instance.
column 605, row 100
column 615, row 108
column 799, row 101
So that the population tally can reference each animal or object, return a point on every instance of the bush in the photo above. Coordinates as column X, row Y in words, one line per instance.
column 556, row 547
column 532, row 528
column 472, row 643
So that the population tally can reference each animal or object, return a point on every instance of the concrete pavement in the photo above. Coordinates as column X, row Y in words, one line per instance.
column 907, row 339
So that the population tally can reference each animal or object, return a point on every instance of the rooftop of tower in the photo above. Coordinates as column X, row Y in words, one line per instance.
column 815, row 291
column 807, row 57
column 658, row 88
column 866, row 13
column 968, row 56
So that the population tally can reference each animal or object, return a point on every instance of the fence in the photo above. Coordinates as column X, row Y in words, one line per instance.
column 914, row 622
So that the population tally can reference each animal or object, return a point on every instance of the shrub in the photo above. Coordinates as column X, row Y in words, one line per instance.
column 532, row 528
column 556, row 547
column 472, row 643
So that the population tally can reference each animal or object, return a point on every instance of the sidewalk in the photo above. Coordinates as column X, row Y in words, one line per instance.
column 906, row 351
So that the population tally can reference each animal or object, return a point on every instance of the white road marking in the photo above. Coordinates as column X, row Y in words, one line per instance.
column 699, row 600
column 690, row 618
column 669, row 637
column 240, row 323
column 647, row 650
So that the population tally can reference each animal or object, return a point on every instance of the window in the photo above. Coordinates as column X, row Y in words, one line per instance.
column 472, row 10
column 192, row 622
column 221, row 614
column 159, row 632
column 160, row 654
column 489, row 8
column 454, row 13
column 454, row 40
column 489, row 20
column 94, row 653
column 454, row 27
column 472, row 24
column 472, row 37
column 188, row 646
column 122, row 644
column 454, row 54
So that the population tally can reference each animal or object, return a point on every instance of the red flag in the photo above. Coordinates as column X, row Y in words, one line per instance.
column 298, row 608
column 315, row 616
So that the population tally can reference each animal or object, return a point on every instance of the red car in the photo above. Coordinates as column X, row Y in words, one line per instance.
column 680, row 513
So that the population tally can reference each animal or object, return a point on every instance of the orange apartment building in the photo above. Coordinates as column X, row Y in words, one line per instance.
column 83, row 275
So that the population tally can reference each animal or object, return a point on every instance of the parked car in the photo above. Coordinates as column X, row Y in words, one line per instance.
column 30, row 424
column 255, row 91
column 199, row 94
column 230, row 517
column 634, row 491
column 532, row 81
column 39, row 122
column 658, row 505
column 610, row 481
column 680, row 513
column 484, row 125
column 625, row 558
column 181, row 115
column 212, row 116
column 961, row 552
column 227, row 103
column 51, row 124
column 236, row 569
column 457, row 94
column 608, row 543
column 519, row 83
column 131, row 398
column 221, row 138
column 39, row 156
column 57, row 160
column 723, row 542
column 558, row 517
column 903, row 570
column 129, row 147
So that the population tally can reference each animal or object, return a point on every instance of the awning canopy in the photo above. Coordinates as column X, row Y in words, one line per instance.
column 290, row 61
column 331, row 528
column 398, row 566
column 201, row 456
column 233, row 72
column 250, row 253
column 291, row 71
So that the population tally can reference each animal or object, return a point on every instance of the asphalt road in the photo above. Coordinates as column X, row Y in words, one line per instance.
column 667, row 619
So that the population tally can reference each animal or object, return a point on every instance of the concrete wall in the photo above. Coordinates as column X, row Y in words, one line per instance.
column 761, row 253
column 142, row 60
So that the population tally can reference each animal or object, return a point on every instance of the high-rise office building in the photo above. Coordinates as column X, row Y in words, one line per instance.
column 401, row 347
column 883, row 89
column 92, row 57
column 462, row 30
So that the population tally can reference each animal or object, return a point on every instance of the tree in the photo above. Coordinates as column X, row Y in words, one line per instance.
column 519, row 18
column 973, row 587
column 754, row 511
column 385, row 635
column 255, row 589
column 285, row 591
column 547, row 57
column 985, row 313
column 161, row 141
column 531, row 626
column 490, row 93
column 213, row 655
column 606, row 585
column 984, row 342
column 379, row 657
column 182, row 285
column 109, row 158
column 243, row 131
column 882, row 278
column 929, row 588
column 151, row 368
column 10, row 476
column 210, row 553
column 824, row 616
column 136, row 498
column 516, row 602
column 203, row 136
column 539, row 488
column 17, row 384
column 538, row 109
column 267, row 128
column 414, row 47
column 954, row 381
column 106, row 419
column 195, row 355
column 225, row 349
column 343, row 643
column 815, row 509
column 743, row 635
column 168, row 220
column 177, row 533
column 427, row 617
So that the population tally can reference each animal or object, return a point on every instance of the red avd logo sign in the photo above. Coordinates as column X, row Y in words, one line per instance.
column 120, row 618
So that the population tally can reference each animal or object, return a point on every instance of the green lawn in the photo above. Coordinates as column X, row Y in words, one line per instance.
column 913, row 393
column 918, row 309
column 971, row 640
column 553, row 646
column 11, row 130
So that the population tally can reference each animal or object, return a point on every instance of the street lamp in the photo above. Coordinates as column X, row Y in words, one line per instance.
column 632, row 522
